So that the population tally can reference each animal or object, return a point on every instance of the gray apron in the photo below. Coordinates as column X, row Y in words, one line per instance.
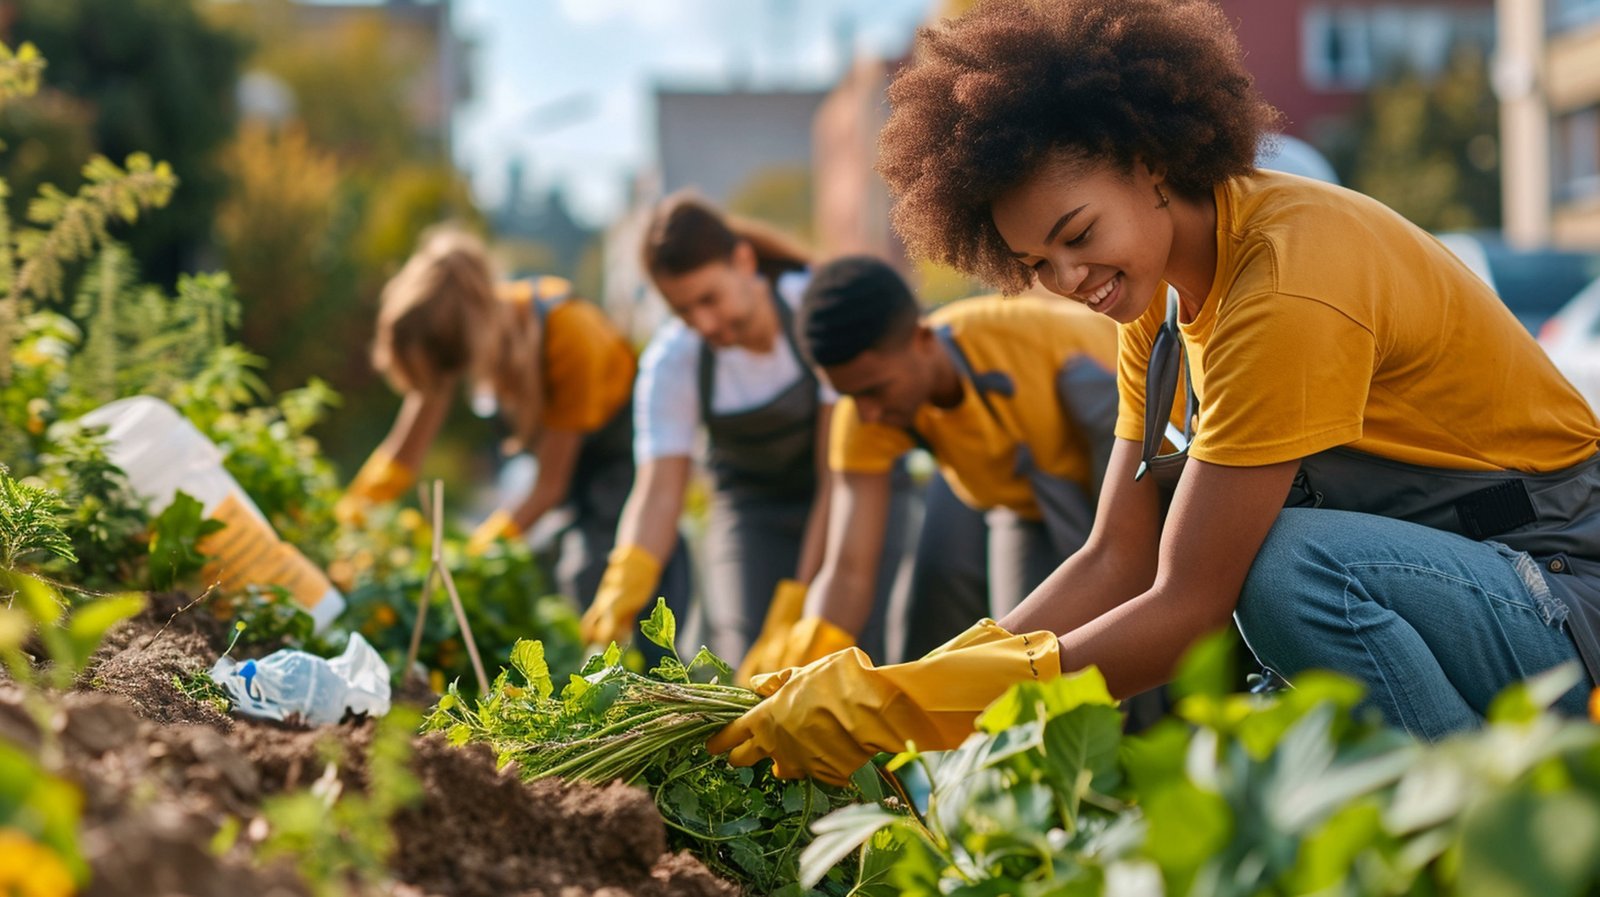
column 601, row 480
column 1012, row 555
column 1553, row 517
column 763, row 467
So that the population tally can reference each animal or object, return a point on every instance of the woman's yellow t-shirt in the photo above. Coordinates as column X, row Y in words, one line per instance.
column 1333, row 321
column 588, row 365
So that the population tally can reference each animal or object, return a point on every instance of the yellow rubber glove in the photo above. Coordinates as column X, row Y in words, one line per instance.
column 811, row 639
column 786, row 640
column 381, row 479
column 495, row 527
column 631, row 575
column 826, row 719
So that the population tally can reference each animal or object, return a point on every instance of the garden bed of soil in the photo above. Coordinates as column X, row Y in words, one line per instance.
column 162, row 774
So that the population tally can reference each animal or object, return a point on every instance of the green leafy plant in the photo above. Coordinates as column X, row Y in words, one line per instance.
column 107, row 524
column 175, row 537
column 506, row 594
column 1241, row 795
column 609, row 723
column 339, row 839
column 31, row 523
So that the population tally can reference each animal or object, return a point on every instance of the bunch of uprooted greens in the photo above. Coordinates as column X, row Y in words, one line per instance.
column 610, row 723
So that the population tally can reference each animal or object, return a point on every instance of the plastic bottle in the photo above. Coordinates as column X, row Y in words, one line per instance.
column 293, row 683
column 162, row 453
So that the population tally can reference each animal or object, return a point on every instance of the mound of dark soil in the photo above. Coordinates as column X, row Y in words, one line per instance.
column 162, row 774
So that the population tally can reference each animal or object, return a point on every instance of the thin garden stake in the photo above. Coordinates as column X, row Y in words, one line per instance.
column 427, row 592
column 450, row 586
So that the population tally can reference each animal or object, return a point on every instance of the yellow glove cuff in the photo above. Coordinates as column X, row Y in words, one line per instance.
column 631, row 574
column 381, row 479
column 498, row 525
column 813, row 639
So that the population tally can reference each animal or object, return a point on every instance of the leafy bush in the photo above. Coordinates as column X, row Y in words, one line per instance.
column 1242, row 795
column 650, row 730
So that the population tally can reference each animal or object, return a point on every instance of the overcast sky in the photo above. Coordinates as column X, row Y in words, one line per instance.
column 566, row 85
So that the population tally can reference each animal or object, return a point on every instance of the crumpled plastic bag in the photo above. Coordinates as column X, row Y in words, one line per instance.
column 289, row 683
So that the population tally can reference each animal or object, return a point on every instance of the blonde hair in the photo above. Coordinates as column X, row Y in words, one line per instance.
column 440, row 319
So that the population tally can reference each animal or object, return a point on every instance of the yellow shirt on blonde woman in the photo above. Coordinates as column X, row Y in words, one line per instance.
column 588, row 365
column 1333, row 321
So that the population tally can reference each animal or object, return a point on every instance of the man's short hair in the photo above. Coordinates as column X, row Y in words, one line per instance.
column 854, row 304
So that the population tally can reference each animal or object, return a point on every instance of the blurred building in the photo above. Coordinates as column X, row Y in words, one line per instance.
column 718, row 141
column 1547, row 77
column 850, row 201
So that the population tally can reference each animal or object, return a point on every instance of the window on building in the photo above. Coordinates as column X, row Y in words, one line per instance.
column 1348, row 48
column 1577, row 155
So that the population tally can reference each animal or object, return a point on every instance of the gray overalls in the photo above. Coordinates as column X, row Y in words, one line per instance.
column 953, row 583
column 1551, row 519
column 763, row 466
column 601, row 480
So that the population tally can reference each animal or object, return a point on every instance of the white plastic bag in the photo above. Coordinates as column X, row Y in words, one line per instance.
column 319, row 691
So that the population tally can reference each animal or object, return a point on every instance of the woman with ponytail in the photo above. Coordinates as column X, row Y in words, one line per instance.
column 728, row 361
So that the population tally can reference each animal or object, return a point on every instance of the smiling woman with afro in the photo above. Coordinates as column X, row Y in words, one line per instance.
column 1372, row 468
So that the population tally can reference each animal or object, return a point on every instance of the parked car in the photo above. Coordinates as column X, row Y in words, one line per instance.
column 1572, row 337
column 1533, row 283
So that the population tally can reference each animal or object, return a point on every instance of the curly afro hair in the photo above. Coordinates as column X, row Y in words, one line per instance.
column 991, row 95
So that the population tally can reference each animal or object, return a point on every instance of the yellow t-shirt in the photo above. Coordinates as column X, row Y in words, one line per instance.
column 1333, row 321
column 588, row 366
column 1030, row 340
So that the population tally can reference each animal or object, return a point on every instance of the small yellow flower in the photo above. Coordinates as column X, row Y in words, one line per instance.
column 385, row 615
column 436, row 681
column 30, row 869
column 1594, row 706
column 410, row 520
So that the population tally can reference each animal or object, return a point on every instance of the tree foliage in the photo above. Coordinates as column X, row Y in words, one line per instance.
column 1429, row 148
column 128, row 76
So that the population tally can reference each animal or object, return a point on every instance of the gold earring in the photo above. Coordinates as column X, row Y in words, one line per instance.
column 1163, row 195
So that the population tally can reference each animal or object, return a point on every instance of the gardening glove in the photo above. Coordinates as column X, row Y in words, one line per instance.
column 826, row 719
column 813, row 638
column 781, row 643
column 381, row 479
column 631, row 574
column 497, row 526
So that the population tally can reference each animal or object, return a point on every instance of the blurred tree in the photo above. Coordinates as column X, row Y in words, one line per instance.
column 341, row 171
column 779, row 195
column 149, row 76
column 1429, row 149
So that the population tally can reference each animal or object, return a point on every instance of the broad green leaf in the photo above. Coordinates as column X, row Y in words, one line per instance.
column 1207, row 668
column 1187, row 827
column 837, row 834
column 527, row 655
column 1083, row 740
column 670, row 669
column 1520, row 843
column 662, row 628
column 1328, row 854
column 881, row 853
column 1154, row 758
column 708, row 667
column 1522, row 701
column 1041, row 700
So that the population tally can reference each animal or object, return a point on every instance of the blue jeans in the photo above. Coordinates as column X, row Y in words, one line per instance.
column 1433, row 623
